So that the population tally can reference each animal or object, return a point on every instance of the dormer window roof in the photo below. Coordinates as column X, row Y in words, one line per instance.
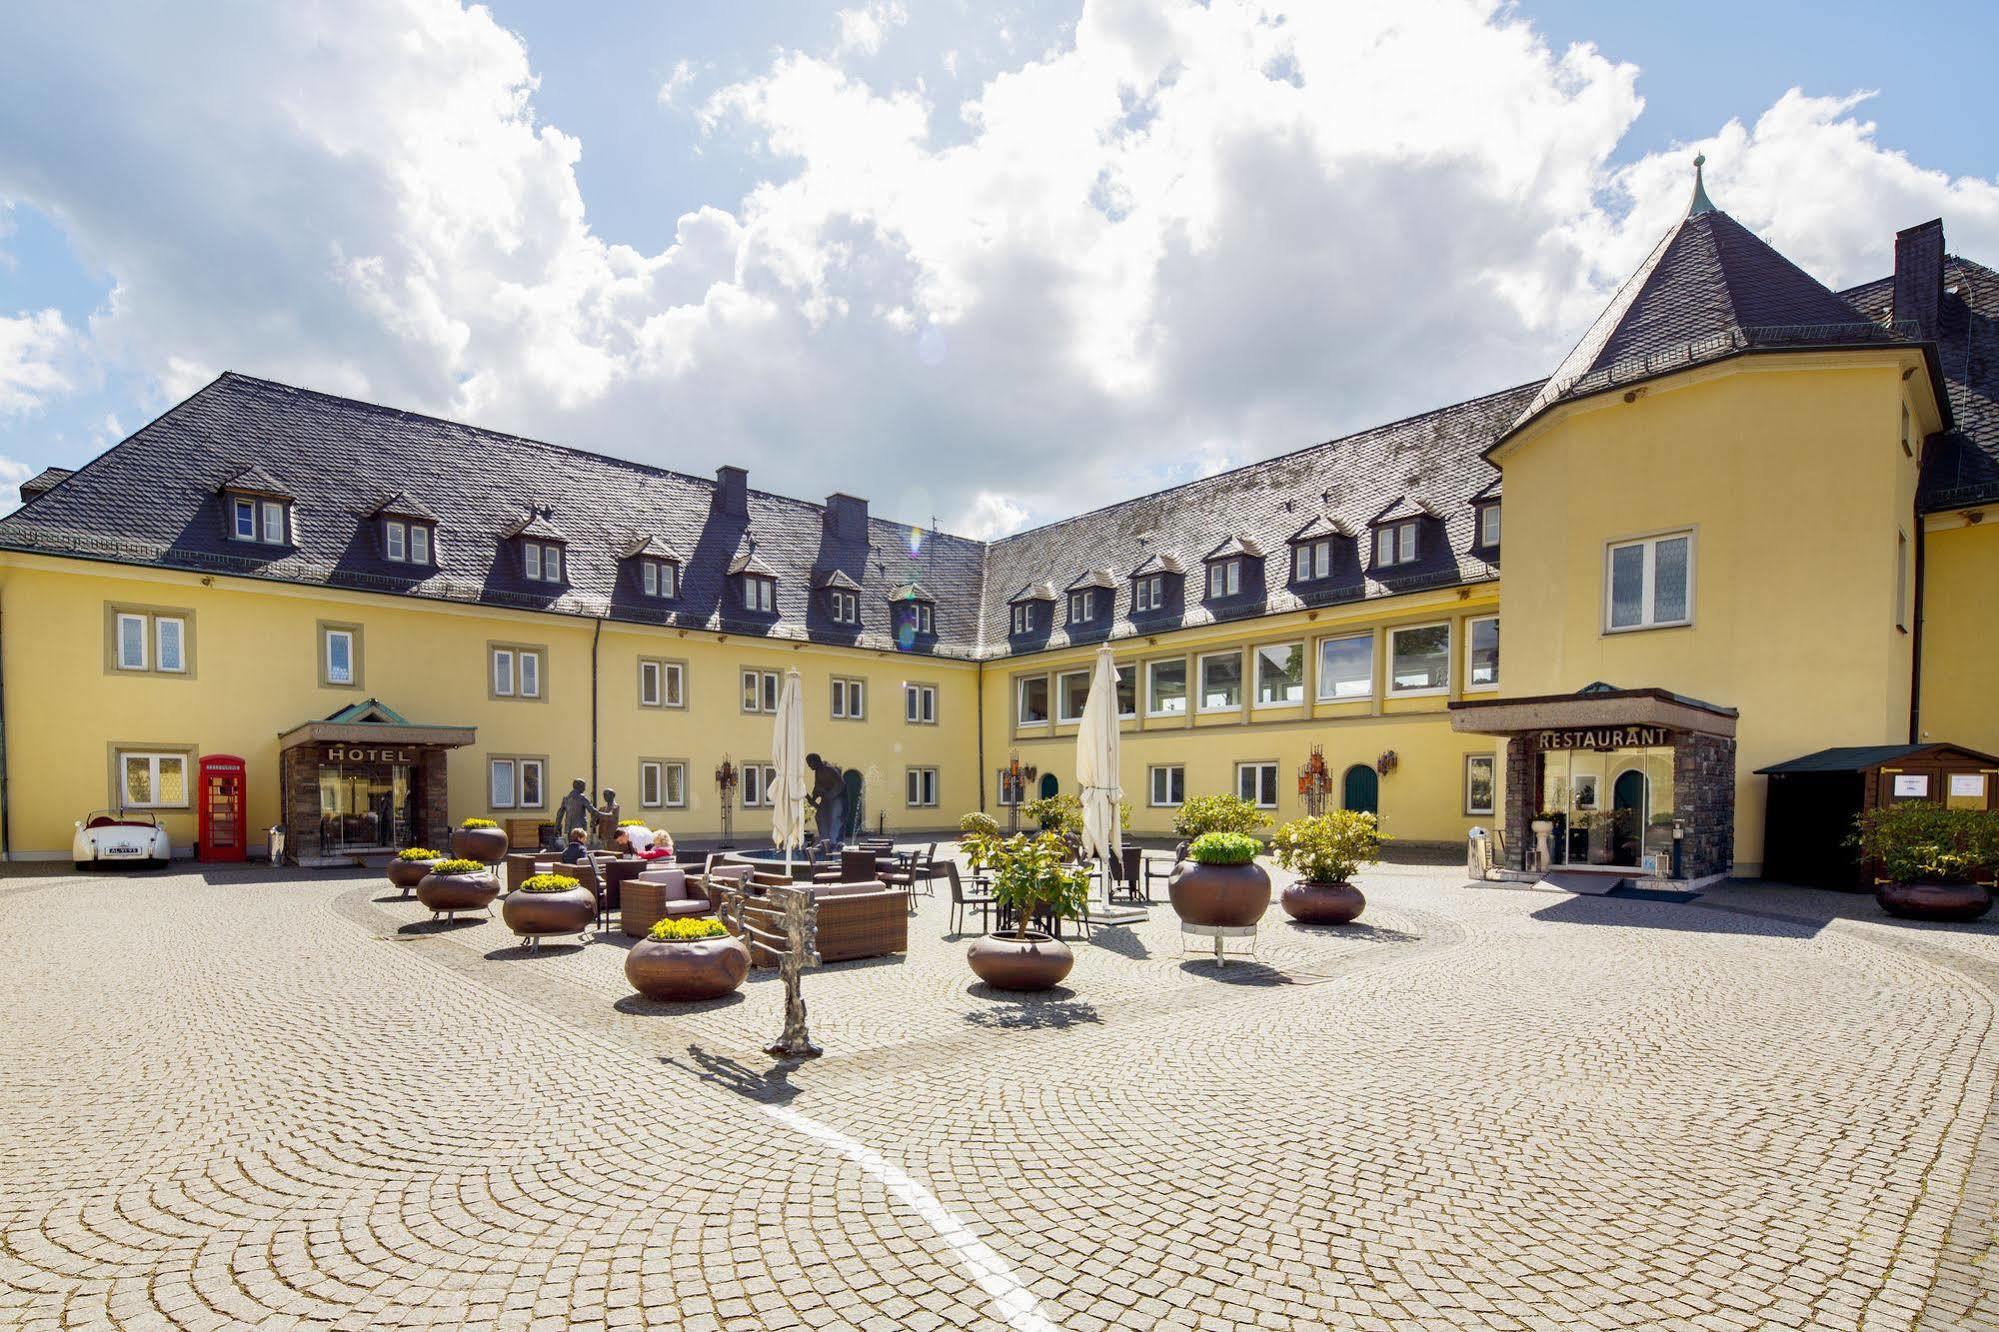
column 257, row 508
column 840, row 595
column 915, row 610
column 406, row 528
column 756, row 581
column 541, row 545
column 1029, row 607
column 1312, row 548
column 402, row 504
column 1229, row 567
column 1485, row 519
column 655, row 564
column 1160, row 562
column 1398, row 531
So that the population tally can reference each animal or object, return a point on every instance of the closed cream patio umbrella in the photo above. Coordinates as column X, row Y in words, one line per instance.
column 787, row 756
column 1097, row 767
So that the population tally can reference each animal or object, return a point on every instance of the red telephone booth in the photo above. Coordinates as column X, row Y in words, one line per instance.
column 222, row 816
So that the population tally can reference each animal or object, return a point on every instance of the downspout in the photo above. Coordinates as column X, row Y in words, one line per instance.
column 1916, row 634
column 979, row 688
column 6, row 822
column 596, row 632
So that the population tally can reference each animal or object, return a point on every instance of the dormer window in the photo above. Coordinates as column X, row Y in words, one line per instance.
column 1395, row 543
column 1148, row 593
column 406, row 542
column 914, row 613
column 1023, row 618
column 259, row 520
column 1225, row 577
column 843, row 606
column 1312, row 560
column 541, row 561
column 659, row 578
column 1488, row 526
column 1082, row 605
column 924, row 621
column 760, row 594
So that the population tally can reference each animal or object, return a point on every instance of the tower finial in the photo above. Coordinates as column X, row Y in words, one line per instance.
column 1700, row 203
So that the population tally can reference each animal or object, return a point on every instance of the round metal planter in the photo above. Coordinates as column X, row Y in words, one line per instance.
column 680, row 970
column 452, row 893
column 488, row 846
column 1934, row 901
column 532, row 915
column 1029, row 960
column 1219, row 894
column 1322, row 903
column 407, row 874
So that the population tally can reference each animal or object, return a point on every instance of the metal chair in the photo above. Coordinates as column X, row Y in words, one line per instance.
column 1151, row 871
column 960, row 899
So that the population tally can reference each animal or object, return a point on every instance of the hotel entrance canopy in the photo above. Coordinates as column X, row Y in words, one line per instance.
column 1642, row 779
column 365, row 780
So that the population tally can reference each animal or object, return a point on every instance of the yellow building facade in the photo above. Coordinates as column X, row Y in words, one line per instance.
column 1745, row 521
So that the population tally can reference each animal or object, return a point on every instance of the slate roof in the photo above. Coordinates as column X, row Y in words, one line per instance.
column 44, row 481
column 1346, row 481
column 1961, row 467
column 1710, row 288
column 337, row 456
column 402, row 504
column 1856, row 758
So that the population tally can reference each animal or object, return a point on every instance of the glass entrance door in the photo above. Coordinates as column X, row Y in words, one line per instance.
column 1610, row 807
column 364, row 808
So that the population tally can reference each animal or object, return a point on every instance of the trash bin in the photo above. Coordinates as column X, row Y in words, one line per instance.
column 1478, row 854
column 275, row 835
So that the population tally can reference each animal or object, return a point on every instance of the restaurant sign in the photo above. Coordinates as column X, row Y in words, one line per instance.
column 367, row 754
column 1606, row 737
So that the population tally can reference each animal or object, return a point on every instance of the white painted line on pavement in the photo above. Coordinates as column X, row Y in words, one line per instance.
column 1016, row 1304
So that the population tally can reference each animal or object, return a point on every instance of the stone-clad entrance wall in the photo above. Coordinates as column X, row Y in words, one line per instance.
column 1703, row 799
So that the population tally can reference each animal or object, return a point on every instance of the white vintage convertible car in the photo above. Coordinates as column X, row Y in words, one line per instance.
column 109, row 837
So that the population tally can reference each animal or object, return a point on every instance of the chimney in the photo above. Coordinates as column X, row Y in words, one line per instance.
column 846, row 517
column 732, row 492
column 1919, row 276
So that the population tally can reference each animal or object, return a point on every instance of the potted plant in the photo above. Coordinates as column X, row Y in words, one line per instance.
column 978, row 824
column 1055, row 814
column 1216, row 813
column 1220, row 883
column 1323, row 852
column 684, row 958
column 479, row 839
column 457, row 885
column 406, row 871
column 1935, row 863
column 548, row 904
column 1029, row 876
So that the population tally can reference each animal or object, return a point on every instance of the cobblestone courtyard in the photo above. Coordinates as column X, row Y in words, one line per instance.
column 234, row 1100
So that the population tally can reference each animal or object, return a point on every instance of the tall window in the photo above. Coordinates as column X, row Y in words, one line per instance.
column 759, row 783
column 919, row 704
column 541, row 561
column 850, row 699
column 1032, row 691
column 516, row 672
column 244, row 527
column 1419, row 659
column 1169, row 785
column 152, row 781
column 515, row 783
column 1257, row 783
column 397, row 534
column 759, row 691
column 1488, row 526
column 1346, row 668
column 1221, row 682
column 1127, row 690
column 1312, row 560
column 1280, row 674
column 149, row 640
column 921, row 787
column 1395, row 543
column 760, row 594
column 1072, row 694
column 1479, row 769
column 339, row 656
column 661, row 683
column 1649, row 584
column 1482, row 653
column 1149, row 593
column 1225, row 577
column 1166, row 688
column 419, row 543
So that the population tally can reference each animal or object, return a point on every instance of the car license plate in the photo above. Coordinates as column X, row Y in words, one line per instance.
column 121, row 849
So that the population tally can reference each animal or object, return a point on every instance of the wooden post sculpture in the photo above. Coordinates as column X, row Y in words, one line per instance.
column 801, row 928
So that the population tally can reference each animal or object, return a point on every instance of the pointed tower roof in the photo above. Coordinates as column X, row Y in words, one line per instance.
column 1709, row 288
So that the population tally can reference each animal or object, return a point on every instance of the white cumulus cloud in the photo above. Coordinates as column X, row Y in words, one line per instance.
column 33, row 351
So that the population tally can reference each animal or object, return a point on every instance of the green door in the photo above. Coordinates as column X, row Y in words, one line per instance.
column 1361, row 791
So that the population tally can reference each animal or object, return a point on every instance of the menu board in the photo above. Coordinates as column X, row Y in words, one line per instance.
column 1911, row 785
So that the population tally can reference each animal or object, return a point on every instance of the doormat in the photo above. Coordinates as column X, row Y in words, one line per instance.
column 1650, row 894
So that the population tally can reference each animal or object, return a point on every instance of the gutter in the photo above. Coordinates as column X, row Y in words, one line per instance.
column 1916, row 633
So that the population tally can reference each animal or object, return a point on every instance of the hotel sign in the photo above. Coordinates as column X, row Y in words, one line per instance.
column 367, row 754
column 1606, row 737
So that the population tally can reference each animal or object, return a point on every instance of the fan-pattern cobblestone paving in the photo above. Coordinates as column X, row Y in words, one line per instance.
column 236, row 1099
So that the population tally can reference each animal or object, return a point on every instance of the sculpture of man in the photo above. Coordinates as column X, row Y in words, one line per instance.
column 828, row 799
column 607, row 817
column 575, row 811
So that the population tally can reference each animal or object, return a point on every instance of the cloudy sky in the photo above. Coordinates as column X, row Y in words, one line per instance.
column 985, row 264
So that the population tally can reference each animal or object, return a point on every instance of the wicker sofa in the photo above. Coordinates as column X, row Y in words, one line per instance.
column 861, row 920
column 657, row 893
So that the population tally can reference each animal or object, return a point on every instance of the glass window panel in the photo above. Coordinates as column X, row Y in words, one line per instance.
column 553, row 563
column 1478, row 784
column 1484, row 652
column 138, row 780
column 1406, row 542
column 530, row 783
column 1280, row 673
column 1488, row 519
column 676, row 784
column 1033, row 701
column 171, row 633
column 1127, row 692
column 531, row 554
column 172, row 779
column 246, row 520
column 649, row 683
column 1346, row 667
column 1420, row 658
column 398, row 534
column 1669, row 580
column 530, row 675
column 132, row 642
column 419, row 544
column 1073, row 692
column 1167, row 689
column 650, row 572
column 339, row 657
column 274, row 522
column 503, row 671
column 1627, row 586
column 649, row 783
column 500, row 783
column 1221, row 682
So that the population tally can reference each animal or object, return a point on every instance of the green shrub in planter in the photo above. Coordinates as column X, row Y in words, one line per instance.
column 419, row 853
column 549, row 883
column 1218, row 813
column 478, row 823
column 1224, row 848
column 682, row 929
column 1918, row 840
column 1329, row 847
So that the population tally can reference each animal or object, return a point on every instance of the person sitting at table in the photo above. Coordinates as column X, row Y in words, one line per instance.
column 662, row 845
column 643, row 843
column 578, row 849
